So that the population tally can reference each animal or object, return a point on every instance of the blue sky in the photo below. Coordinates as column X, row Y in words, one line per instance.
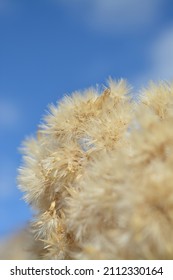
column 52, row 47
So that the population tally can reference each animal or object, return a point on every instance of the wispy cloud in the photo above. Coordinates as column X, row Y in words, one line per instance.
column 8, row 7
column 161, row 54
column 160, row 59
column 7, row 178
column 10, row 115
column 5, row 5
column 114, row 15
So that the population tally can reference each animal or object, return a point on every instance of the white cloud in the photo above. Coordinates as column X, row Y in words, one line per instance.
column 9, row 114
column 115, row 15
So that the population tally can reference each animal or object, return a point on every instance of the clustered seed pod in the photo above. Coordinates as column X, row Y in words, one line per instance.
column 100, row 176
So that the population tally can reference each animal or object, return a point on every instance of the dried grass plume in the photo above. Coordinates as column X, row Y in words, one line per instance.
column 100, row 175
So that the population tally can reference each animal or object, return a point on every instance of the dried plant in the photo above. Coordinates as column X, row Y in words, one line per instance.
column 100, row 176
